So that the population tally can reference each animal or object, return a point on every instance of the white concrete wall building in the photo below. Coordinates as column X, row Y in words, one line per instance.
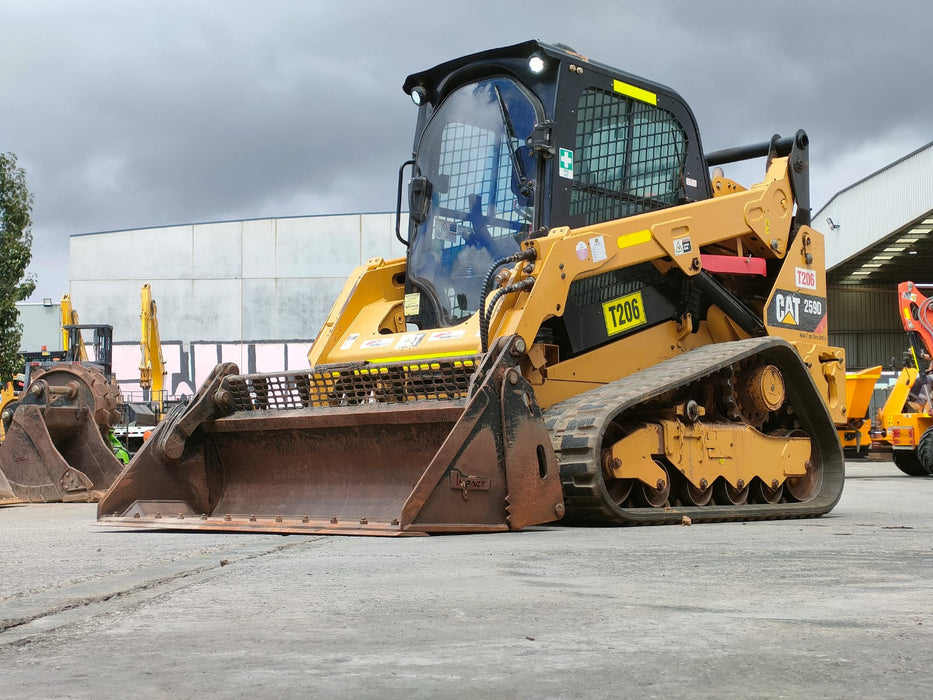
column 42, row 325
column 253, row 292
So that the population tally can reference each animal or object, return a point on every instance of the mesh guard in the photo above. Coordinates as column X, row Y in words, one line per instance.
column 352, row 384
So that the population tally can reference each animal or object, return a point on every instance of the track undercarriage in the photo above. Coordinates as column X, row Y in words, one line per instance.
column 734, row 431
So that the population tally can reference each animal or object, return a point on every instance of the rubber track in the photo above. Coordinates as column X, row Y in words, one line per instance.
column 577, row 426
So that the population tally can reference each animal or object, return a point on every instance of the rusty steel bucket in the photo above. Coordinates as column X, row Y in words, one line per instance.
column 359, row 449
column 55, row 447
column 7, row 497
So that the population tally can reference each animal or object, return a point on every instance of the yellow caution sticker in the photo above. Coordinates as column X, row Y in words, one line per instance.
column 635, row 92
column 624, row 313
column 630, row 239
column 412, row 305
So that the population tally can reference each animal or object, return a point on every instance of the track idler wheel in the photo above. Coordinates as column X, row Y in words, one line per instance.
column 802, row 488
column 656, row 496
column 727, row 494
column 696, row 496
column 619, row 489
column 763, row 493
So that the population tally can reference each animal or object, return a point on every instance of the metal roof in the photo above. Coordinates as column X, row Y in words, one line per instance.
column 879, row 230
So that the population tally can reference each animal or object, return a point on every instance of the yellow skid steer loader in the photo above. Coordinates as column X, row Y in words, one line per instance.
column 588, row 324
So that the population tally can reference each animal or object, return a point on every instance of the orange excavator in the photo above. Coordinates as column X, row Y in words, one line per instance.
column 905, row 422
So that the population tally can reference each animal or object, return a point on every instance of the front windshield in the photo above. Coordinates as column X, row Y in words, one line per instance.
column 482, row 175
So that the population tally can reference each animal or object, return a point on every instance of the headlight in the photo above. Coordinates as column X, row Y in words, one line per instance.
column 419, row 95
column 536, row 64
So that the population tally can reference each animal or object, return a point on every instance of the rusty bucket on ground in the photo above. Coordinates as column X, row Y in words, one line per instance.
column 7, row 497
column 56, row 447
column 393, row 449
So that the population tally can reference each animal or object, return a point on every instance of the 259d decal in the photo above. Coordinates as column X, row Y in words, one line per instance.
column 802, row 312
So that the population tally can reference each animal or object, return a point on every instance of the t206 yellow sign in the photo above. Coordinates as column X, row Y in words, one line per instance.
column 624, row 313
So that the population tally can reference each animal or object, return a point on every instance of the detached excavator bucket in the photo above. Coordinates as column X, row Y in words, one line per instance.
column 55, row 447
column 366, row 449
column 7, row 497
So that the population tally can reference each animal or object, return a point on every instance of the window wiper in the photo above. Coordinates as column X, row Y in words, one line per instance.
column 526, row 186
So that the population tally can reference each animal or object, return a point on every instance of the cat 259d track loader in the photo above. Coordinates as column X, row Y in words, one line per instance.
column 587, row 325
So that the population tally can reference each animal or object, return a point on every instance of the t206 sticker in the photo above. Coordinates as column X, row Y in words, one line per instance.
column 806, row 279
column 624, row 313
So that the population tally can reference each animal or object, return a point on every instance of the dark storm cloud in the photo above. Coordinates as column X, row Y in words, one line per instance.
column 140, row 114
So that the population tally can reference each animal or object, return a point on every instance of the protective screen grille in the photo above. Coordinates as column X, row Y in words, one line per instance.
column 351, row 385
column 628, row 159
column 615, row 283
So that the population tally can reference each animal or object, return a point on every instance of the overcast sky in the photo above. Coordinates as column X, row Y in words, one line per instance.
column 129, row 114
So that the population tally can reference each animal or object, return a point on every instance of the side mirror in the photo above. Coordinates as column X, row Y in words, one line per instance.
column 419, row 198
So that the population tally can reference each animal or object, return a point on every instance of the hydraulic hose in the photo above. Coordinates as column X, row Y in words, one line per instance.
column 522, row 286
column 528, row 254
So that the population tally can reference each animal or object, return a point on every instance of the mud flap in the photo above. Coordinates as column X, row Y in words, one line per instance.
column 56, row 454
column 409, row 467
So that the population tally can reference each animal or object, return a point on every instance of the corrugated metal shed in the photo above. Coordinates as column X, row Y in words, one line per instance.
column 864, row 321
column 879, row 232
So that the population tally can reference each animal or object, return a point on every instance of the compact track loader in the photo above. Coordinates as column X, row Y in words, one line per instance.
column 587, row 325
column 55, row 446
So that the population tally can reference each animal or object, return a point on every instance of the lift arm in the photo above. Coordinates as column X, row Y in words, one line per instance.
column 917, row 318
column 152, row 365
column 74, row 350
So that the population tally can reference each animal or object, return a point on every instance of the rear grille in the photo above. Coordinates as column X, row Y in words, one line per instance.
column 351, row 385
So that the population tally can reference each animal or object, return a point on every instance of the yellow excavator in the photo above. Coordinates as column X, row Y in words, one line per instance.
column 151, row 365
column 143, row 416
column 589, row 324
column 58, row 431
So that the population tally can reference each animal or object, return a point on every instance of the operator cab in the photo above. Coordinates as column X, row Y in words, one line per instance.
column 515, row 141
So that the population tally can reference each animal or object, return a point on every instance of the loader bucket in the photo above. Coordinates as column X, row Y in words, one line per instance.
column 365, row 449
column 55, row 447
column 859, row 389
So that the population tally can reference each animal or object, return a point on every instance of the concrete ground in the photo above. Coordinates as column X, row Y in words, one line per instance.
column 840, row 607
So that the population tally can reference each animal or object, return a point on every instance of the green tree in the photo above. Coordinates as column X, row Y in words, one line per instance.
column 15, row 254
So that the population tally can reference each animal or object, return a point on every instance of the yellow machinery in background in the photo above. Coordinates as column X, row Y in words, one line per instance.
column 7, row 395
column 905, row 423
column 855, row 435
column 901, row 423
column 144, row 413
column 151, row 365
column 588, row 325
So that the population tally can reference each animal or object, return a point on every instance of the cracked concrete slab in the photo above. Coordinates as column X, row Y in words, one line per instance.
column 836, row 607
